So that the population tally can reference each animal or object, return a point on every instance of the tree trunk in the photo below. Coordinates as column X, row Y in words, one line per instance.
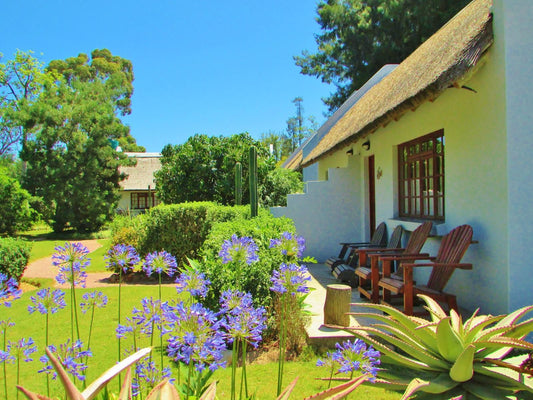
column 337, row 305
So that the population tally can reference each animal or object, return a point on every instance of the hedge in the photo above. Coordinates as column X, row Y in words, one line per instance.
column 14, row 256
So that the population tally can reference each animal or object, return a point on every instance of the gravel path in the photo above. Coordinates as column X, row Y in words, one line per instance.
column 43, row 268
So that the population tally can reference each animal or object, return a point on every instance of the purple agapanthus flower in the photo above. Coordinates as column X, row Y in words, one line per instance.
column 9, row 290
column 290, row 245
column 70, row 356
column 5, row 324
column 71, row 259
column 150, row 315
column 160, row 262
column 239, row 250
column 352, row 356
column 121, row 257
column 195, row 336
column 6, row 357
column 147, row 376
column 93, row 300
column 23, row 349
column 47, row 301
column 195, row 284
column 130, row 327
column 241, row 319
column 290, row 278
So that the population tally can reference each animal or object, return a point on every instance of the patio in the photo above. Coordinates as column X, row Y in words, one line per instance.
column 317, row 333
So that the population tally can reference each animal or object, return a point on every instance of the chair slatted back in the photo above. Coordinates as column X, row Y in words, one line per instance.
column 452, row 249
column 379, row 238
column 415, row 243
column 396, row 238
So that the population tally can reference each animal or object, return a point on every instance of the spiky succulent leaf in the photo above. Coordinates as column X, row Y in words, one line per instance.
column 502, row 377
column 478, row 324
column 164, row 390
column 463, row 368
column 410, row 324
column 448, row 341
column 513, row 317
column 499, row 347
column 211, row 392
column 414, row 350
column 486, row 392
column 286, row 393
column 435, row 310
column 32, row 396
column 457, row 323
column 340, row 391
column 71, row 391
column 125, row 391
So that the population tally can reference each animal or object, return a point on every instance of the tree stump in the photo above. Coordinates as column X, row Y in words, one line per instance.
column 337, row 305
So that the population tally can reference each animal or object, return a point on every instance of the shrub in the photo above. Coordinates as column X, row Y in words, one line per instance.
column 277, row 185
column 16, row 212
column 128, row 229
column 181, row 229
column 14, row 256
column 256, row 279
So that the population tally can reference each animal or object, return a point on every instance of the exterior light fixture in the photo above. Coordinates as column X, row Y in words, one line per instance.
column 366, row 145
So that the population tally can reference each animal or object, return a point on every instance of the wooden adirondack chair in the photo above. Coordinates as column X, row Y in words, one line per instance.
column 452, row 249
column 378, row 239
column 346, row 272
column 369, row 277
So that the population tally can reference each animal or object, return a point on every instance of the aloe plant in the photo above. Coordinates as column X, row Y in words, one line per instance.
column 455, row 358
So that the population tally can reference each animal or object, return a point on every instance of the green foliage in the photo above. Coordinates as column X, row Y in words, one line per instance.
column 256, row 277
column 179, row 229
column 14, row 256
column 202, row 169
column 455, row 358
column 16, row 212
column 21, row 81
column 360, row 36
column 252, row 172
column 71, row 164
column 278, row 184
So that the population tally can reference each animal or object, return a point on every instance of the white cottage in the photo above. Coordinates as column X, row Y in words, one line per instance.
column 137, row 191
column 445, row 136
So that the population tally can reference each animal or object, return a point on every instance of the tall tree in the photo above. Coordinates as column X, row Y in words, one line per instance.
column 360, row 36
column 297, row 130
column 21, row 82
column 71, row 163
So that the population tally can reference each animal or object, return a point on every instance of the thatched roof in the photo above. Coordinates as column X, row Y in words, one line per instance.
column 440, row 62
column 141, row 175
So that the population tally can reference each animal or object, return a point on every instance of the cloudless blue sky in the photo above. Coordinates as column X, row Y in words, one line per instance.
column 204, row 66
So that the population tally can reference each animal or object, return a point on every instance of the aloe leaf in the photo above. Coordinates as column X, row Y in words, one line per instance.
column 469, row 321
column 515, row 316
column 407, row 337
column 414, row 386
column 71, row 391
column 433, row 307
column 210, row 393
column 448, row 341
column 486, row 392
column 501, row 376
column 125, row 390
column 391, row 355
column 389, row 384
column 502, row 345
column 164, row 390
column 517, row 331
column 478, row 324
column 94, row 388
column 463, row 368
column 285, row 394
column 339, row 392
column 416, row 352
column 457, row 323
column 31, row 395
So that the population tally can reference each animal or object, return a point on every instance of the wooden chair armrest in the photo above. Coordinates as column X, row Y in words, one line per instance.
column 353, row 243
column 379, row 250
column 456, row 265
column 359, row 245
column 406, row 257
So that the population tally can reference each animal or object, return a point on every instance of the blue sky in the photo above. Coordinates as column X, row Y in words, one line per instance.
column 204, row 66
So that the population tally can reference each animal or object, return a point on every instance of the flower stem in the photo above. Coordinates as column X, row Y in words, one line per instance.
column 282, row 328
column 234, row 354
column 244, row 378
column 5, row 362
column 46, row 343
column 119, row 294
column 161, row 330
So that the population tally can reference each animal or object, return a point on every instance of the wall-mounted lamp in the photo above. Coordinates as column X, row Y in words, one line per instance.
column 366, row 145
column 350, row 152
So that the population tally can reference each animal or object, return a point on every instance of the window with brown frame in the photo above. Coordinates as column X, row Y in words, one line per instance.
column 421, row 177
column 139, row 201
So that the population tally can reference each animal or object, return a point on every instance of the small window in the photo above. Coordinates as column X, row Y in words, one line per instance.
column 421, row 177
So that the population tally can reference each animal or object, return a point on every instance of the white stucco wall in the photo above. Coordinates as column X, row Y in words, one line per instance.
column 328, row 212
column 514, row 24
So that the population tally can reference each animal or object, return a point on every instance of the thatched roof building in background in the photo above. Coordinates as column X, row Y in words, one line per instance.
column 446, row 59
column 141, row 175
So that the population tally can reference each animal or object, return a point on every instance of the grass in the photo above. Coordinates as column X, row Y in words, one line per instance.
column 261, row 377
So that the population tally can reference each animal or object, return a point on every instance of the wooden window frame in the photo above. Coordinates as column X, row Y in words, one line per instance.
column 421, row 177
column 136, row 204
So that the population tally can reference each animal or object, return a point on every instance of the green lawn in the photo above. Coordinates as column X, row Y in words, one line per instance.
column 104, row 346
